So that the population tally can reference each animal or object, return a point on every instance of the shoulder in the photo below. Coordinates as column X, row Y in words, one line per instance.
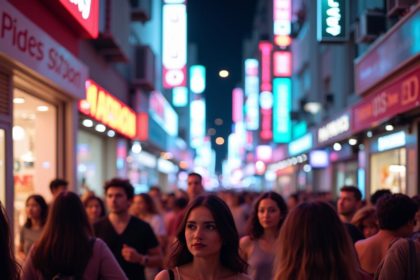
column 163, row 275
column 246, row 242
column 134, row 221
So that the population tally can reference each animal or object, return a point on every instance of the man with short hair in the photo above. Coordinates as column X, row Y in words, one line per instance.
column 348, row 203
column 396, row 217
column 58, row 186
column 194, row 185
column 130, row 239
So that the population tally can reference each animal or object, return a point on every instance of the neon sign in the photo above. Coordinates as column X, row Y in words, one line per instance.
column 265, row 49
column 332, row 20
column 197, row 78
column 86, row 13
column 282, row 126
column 251, row 91
column 107, row 109
column 282, row 64
column 174, row 52
column 266, row 104
column 282, row 15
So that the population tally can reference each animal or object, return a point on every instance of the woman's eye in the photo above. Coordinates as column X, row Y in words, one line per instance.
column 211, row 227
column 190, row 226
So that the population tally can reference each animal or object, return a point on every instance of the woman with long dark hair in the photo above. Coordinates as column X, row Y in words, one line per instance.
column 314, row 244
column 270, row 210
column 207, row 244
column 67, row 247
column 95, row 208
column 9, row 269
column 36, row 215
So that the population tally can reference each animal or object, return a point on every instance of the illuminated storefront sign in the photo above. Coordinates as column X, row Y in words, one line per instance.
column 198, row 122
column 391, row 141
column 237, row 105
column 86, row 13
column 388, row 53
column 174, row 52
column 282, row 126
column 265, row 49
column 22, row 40
column 300, row 145
column 197, row 78
column 264, row 153
column 282, row 61
column 334, row 128
column 180, row 96
column 332, row 20
column 107, row 109
column 400, row 95
column 163, row 113
column 318, row 159
column 266, row 104
column 282, row 15
column 251, row 91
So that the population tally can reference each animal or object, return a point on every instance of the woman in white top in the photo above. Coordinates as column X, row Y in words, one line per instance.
column 207, row 244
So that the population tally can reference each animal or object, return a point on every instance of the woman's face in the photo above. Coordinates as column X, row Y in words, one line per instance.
column 33, row 210
column 268, row 213
column 139, row 205
column 93, row 210
column 201, row 234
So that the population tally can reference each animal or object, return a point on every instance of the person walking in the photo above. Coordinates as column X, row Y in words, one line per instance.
column 36, row 215
column 67, row 248
column 314, row 244
column 130, row 239
column 270, row 210
column 207, row 244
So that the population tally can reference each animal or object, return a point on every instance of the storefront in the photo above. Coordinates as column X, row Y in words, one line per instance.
column 40, row 84
column 106, row 128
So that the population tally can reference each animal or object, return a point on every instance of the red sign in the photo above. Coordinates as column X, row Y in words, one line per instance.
column 282, row 64
column 22, row 40
column 143, row 126
column 266, row 48
column 86, row 13
column 107, row 109
column 401, row 95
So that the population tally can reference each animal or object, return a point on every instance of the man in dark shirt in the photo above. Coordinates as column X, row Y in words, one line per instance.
column 131, row 240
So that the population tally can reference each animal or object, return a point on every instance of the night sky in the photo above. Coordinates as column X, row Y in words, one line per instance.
column 218, row 29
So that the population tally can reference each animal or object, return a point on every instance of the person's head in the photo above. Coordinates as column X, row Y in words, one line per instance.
column 292, row 201
column 57, row 186
column 208, row 230
column 155, row 192
column 378, row 194
column 9, row 267
column 269, row 212
column 194, row 185
column 349, row 201
column 64, row 244
column 143, row 204
column 95, row 208
column 366, row 221
column 36, row 209
column 119, row 195
column 314, row 244
column 396, row 213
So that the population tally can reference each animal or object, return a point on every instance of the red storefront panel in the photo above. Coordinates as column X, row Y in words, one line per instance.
column 398, row 96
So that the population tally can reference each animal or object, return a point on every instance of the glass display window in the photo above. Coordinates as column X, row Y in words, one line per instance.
column 388, row 171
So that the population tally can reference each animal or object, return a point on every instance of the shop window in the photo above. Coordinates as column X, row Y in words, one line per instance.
column 34, row 149
column 388, row 171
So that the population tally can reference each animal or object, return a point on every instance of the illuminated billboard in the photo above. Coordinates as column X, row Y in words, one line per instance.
column 251, row 110
column 282, row 64
column 282, row 127
column 198, row 122
column 163, row 113
column 86, row 13
column 265, row 48
column 174, row 41
column 237, row 105
column 197, row 78
column 332, row 20
column 180, row 96
column 282, row 22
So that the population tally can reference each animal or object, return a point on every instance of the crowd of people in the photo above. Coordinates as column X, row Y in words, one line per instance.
column 225, row 235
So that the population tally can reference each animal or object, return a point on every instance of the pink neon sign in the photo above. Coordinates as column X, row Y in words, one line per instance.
column 86, row 13
column 237, row 104
column 282, row 64
column 282, row 17
column 265, row 49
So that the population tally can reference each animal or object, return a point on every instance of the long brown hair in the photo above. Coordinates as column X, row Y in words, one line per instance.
column 229, row 255
column 64, row 247
column 314, row 244
column 10, row 270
